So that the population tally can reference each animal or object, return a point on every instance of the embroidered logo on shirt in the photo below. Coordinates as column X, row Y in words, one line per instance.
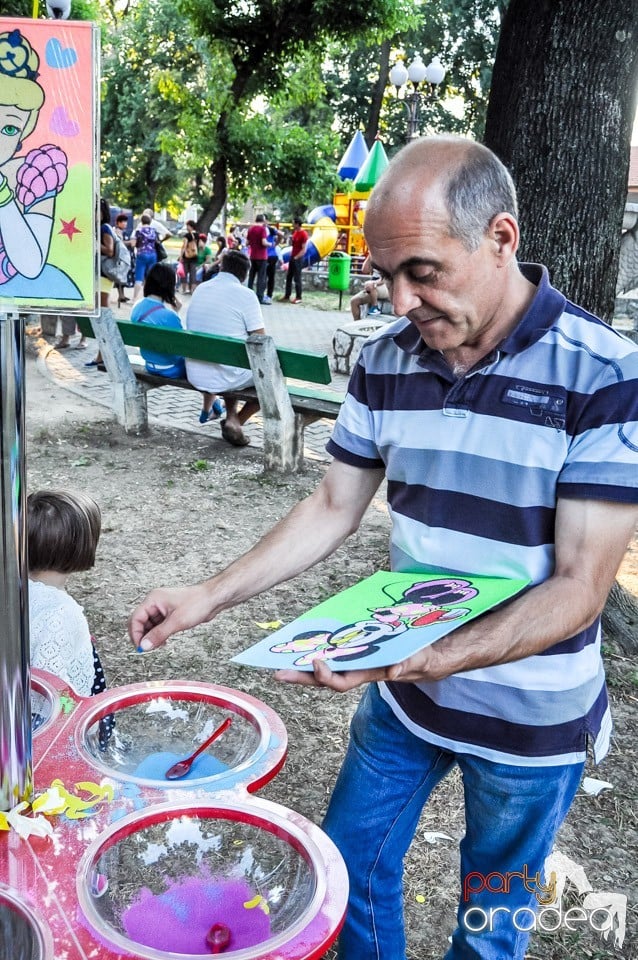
column 542, row 404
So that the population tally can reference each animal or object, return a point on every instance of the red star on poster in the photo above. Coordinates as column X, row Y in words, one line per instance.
column 69, row 228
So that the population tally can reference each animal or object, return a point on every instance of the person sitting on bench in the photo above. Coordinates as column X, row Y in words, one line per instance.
column 158, row 307
column 226, row 307
column 373, row 291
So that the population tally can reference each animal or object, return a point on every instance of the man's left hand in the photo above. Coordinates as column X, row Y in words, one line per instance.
column 420, row 666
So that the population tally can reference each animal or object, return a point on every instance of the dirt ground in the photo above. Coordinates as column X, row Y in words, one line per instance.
column 176, row 508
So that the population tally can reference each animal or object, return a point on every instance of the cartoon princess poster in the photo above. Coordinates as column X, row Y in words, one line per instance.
column 48, row 155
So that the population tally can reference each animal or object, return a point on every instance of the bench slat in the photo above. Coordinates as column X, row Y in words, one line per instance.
column 322, row 403
column 298, row 364
column 326, row 403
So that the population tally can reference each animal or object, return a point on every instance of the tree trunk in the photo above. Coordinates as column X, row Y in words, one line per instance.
column 219, row 175
column 376, row 101
column 560, row 116
column 219, row 166
column 620, row 620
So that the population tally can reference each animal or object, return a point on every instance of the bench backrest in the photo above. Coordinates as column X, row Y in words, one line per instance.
column 298, row 364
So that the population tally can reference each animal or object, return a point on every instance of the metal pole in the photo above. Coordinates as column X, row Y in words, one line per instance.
column 15, row 699
column 413, row 114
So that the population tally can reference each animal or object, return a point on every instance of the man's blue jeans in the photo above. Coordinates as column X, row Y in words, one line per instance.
column 512, row 814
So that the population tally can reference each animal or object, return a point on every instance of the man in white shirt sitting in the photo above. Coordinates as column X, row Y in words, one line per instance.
column 226, row 307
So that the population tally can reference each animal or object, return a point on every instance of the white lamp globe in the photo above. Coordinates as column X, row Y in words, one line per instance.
column 435, row 71
column 417, row 70
column 398, row 74
column 58, row 9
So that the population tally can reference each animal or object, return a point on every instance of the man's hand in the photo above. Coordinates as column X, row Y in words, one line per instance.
column 423, row 665
column 165, row 612
column 591, row 539
column 312, row 530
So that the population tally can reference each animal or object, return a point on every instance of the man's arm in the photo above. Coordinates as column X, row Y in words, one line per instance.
column 591, row 540
column 312, row 530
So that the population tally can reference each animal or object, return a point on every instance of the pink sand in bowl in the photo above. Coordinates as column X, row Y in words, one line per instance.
column 180, row 918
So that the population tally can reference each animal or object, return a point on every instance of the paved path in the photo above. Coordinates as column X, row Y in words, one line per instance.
column 297, row 327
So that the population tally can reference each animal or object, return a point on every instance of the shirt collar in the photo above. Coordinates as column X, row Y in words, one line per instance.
column 544, row 310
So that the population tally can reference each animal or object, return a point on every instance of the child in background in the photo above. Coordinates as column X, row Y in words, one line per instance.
column 63, row 532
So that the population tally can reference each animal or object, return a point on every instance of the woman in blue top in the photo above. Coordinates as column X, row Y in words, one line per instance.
column 154, row 309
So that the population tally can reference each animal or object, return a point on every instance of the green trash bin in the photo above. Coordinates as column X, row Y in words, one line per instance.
column 339, row 271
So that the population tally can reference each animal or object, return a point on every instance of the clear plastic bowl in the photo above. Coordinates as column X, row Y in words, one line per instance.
column 23, row 935
column 45, row 704
column 155, row 725
column 157, row 883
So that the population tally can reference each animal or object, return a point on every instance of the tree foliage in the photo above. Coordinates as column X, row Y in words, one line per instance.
column 233, row 100
column 462, row 32
column 150, row 64
column 80, row 9
column 17, row 8
column 264, row 41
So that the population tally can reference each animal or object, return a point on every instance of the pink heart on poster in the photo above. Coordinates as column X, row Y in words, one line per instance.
column 62, row 123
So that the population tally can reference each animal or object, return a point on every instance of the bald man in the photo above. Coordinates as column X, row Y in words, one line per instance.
column 505, row 420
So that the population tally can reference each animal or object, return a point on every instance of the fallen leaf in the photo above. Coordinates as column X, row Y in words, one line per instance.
column 593, row 787
column 434, row 837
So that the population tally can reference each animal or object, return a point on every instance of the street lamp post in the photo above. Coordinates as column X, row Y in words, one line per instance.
column 416, row 73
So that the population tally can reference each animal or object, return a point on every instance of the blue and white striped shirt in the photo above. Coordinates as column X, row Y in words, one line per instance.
column 474, row 468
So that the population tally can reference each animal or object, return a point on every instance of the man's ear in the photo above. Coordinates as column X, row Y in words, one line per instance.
column 503, row 231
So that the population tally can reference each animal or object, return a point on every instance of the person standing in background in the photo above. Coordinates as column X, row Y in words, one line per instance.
column 124, row 234
column 257, row 240
column 107, row 249
column 145, row 238
column 275, row 236
column 189, row 254
column 297, row 253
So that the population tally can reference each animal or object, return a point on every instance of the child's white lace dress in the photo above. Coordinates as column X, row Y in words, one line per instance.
column 60, row 637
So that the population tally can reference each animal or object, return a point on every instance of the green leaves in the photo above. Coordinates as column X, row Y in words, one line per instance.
column 209, row 100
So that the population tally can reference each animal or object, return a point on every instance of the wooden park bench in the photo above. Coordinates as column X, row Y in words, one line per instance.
column 286, row 408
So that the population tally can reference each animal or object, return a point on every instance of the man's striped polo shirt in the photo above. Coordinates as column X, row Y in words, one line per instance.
column 474, row 467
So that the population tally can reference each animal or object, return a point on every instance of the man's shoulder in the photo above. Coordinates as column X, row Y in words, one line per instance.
column 385, row 337
column 581, row 331
column 389, row 340
column 222, row 290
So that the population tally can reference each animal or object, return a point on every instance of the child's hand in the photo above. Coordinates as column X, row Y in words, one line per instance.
column 43, row 174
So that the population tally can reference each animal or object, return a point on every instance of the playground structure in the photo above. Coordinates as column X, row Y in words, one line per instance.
column 339, row 225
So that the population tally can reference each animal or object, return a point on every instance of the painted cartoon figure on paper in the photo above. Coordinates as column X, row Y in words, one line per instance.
column 420, row 605
column 29, row 183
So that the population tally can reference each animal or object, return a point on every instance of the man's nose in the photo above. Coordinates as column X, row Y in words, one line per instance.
column 404, row 296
